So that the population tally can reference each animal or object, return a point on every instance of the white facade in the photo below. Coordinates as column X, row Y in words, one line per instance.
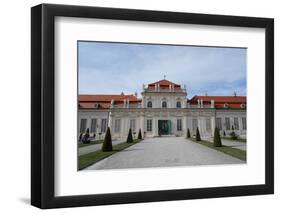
column 154, row 117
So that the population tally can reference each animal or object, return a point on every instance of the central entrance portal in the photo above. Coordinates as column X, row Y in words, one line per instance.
column 164, row 127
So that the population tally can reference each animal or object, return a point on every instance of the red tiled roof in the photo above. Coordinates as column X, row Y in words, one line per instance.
column 233, row 102
column 163, row 82
column 102, row 98
column 90, row 105
column 221, row 99
column 103, row 101
column 231, row 106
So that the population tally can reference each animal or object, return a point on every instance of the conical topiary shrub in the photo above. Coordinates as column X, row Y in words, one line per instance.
column 107, row 143
column 224, row 133
column 188, row 133
column 130, row 137
column 217, row 138
column 198, row 137
column 139, row 135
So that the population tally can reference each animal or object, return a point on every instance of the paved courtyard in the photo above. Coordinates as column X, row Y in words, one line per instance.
column 164, row 152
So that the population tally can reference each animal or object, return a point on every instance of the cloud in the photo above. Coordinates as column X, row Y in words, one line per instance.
column 115, row 68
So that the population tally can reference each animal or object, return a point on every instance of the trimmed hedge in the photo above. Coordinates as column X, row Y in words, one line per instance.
column 107, row 143
column 130, row 137
column 188, row 133
column 140, row 135
column 217, row 138
column 198, row 137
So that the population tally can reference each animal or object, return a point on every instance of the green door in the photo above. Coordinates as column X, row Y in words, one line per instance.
column 164, row 127
column 169, row 127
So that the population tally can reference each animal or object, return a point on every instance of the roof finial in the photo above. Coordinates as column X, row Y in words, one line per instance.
column 164, row 77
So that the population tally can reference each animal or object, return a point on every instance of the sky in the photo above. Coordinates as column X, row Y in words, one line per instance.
column 112, row 68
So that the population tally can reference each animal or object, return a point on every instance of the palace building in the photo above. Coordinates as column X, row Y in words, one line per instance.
column 163, row 109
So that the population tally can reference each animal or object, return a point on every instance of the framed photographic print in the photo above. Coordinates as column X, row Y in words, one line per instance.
column 136, row 106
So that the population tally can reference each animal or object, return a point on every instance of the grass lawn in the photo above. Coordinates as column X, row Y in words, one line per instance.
column 238, row 140
column 89, row 144
column 93, row 157
column 237, row 153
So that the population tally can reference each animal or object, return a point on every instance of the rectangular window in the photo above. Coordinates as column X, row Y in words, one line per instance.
column 83, row 124
column 179, row 125
column 244, row 123
column 227, row 123
column 208, row 124
column 149, row 125
column 133, row 125
column 103, row 125
column 117, row 125
column 194, row 124
column 93, row 125
column 218, row 123
column 236, row 124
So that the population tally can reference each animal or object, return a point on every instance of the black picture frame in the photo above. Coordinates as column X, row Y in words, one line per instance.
column 43, row 105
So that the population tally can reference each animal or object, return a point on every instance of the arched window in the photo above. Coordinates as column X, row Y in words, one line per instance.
column 149, row 104
column 178, row 104
column 164, row 104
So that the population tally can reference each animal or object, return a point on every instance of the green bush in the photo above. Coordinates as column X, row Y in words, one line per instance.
column 224, row 133
column 107, row 143
column 140, row 135
column 130, row 137
column 198, row 137
column 217, row 138
column 188, row 133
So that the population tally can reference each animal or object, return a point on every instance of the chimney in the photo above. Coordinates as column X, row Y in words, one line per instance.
column 112, row 103
column 212, row 103
column 124, row 103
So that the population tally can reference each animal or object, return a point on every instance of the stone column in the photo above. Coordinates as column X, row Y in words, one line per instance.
column 240, row 125
column 123, row 127
column 109, row 123
column 184, row 126
column 203, row 129
column 154, row 129
column 213, row 125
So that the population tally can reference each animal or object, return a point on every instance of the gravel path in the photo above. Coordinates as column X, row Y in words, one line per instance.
column 164, row 152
